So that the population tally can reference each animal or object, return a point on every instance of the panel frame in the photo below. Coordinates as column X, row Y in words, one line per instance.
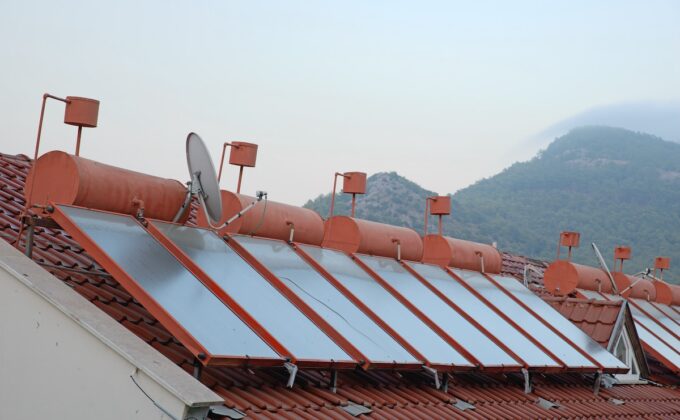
column 430, row 323
column 649, row 348
column 241, row 312
column 453, row 305
column 551, row 327
column 372, row 315
column 360, row 359
column 147, row 301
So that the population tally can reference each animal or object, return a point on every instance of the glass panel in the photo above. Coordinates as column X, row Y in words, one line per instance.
column 655, row 328
column 558, row 321
column 326, row 300
column 254, row 293
column 669, row 312
column 658, row 316
column 457, row 327
column 659, row 346
column 387, row 307
column 496, row 325
column 175, row 289
column 559, row 347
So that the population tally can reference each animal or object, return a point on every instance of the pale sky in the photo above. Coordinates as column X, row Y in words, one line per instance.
column 444, row 93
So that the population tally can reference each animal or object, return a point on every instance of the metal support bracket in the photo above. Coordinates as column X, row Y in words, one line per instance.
column 434, row 374
column 334, row 381
column 292, row 372
column 445, row 382
column 598, row 383
column 528, row 386
column 198, row 369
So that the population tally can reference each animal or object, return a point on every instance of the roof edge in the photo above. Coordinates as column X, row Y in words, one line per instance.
column 115, row 336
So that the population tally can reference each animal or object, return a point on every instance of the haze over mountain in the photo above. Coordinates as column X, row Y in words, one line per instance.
column 661, row 119
column 615, row 186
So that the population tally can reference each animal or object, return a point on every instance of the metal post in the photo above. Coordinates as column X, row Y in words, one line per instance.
column 80, row 130
column 29, row 239
column 354, row 202
column 42, row 114
column 240, row 177
column 224, row 150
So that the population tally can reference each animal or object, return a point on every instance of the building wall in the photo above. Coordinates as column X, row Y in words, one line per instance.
column 52, row 367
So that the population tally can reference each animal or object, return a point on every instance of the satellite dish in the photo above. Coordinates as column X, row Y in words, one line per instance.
column 203, row 177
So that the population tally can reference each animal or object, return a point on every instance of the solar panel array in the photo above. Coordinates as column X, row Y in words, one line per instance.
column 657, row 325
column 241, row 299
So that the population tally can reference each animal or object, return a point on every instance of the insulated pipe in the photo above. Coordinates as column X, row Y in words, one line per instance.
column 273, row 220
column 72, row 180
column 365, row 237
column 451, row 252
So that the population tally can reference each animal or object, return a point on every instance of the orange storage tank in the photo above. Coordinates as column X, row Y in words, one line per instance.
column 668, row 294
column 66, row 179
column 643, row 288
column 356, row 235
column 274, row 223
column 563, row 277
column 452, row 252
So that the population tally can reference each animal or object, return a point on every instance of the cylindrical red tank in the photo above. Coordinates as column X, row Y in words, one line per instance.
column 66, row 179
column 563, row 277
column 452, row 252
column 356, row 235
column 274, row 223
column 643, row 288
column 668, row 294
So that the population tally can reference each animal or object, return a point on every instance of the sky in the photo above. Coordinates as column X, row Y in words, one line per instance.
column 444, row 93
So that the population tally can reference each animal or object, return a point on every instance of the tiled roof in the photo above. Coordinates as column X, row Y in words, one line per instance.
column 597, row 318
column 261, row 393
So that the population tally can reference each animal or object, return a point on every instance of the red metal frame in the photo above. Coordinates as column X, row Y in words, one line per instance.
column 331, row 332
column 366, row 310
column 436, row 328
column 653, row 318
column 149, row 303
column 492, row 337
column 551, row 327
column 248, row 319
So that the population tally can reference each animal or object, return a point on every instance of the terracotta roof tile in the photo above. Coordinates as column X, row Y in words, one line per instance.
column 596, row 318
column 260, row 393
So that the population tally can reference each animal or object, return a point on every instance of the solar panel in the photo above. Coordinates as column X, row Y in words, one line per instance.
column 451, row 322
column 398, row 316
column 562, row 324
column 516, row 312
column 655, row 328
column 236, row 277
column 494, row 323
column 659, row 316
column 156, row 274
column 669, row 312
column 590, row 294
column 652, row 343
column 371, row 340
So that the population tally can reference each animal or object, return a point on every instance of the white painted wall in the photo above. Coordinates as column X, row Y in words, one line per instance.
column 53, row 366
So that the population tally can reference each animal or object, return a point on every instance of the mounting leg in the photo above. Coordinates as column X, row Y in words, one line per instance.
column 434, row 374
column 292, row 371
column 30, row 231
column 528, row 387
column 198, row 369
column 334, row 381
column 445, row 382
column 598, row 383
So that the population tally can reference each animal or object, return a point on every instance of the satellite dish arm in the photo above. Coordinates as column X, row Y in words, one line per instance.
column 603, row 264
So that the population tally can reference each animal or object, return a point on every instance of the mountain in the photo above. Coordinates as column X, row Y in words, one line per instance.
column 615, row 186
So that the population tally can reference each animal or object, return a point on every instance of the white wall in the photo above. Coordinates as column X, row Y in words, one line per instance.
column 53, row 367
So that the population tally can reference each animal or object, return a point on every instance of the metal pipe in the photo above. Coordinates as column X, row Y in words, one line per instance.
column 440, row 225
column 427, row 213
column 40, row 124
column 354, row 203
column 29, row 239
column 224, row 150
column 335, row 184
column 80, row 130
column 292, row 231
column 240, row 177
